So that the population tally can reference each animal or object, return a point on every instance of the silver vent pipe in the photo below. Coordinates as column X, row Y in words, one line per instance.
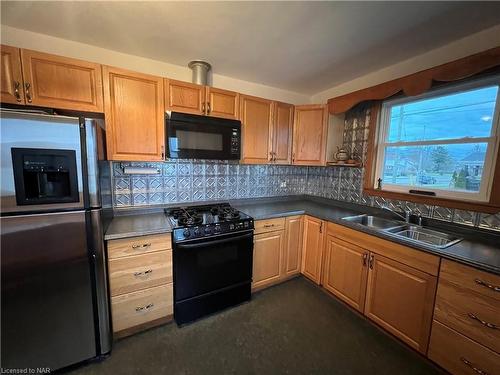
column 200, row 71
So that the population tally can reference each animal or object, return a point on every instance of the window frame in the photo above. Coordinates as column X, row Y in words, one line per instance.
column 491, row 157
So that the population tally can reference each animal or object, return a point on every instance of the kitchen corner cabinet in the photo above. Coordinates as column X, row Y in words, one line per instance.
column 310, row 129
column 257, row 128
column 184, row 97
column 312, row 250
column 346, row 271
column 294, row 229
column 282, row 133
column 50, row 81
column 222, row 103
column 12, row 86
column 400, row 299
column 135, row 118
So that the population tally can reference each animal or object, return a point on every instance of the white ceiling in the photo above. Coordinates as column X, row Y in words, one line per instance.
column 304, row 47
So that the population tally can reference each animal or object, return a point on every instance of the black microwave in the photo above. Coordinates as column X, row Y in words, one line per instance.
column 202, row 137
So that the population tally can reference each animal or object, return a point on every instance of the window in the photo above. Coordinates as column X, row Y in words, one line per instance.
column 442, row 143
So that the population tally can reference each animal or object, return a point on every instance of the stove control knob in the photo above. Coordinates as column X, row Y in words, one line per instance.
column 217, row 229
column 186, row 232
column 197, row 232
column 208, row 230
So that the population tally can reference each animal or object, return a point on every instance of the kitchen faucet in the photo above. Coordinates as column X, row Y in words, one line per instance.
column 407, row 212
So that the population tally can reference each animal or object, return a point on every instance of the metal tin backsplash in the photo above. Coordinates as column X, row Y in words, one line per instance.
column 204, row 180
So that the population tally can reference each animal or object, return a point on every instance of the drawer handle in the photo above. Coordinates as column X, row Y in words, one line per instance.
column 474, row 368
column 141, row 246
column 487, row 285
column 143, row 273
column 16, row 91
column 484, row 323
column 144, row 308
column 268, row 225
column 365, row 259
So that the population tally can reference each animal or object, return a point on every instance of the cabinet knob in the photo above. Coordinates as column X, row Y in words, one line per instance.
column 208, row 108
column 371, row 261
column 365, row 259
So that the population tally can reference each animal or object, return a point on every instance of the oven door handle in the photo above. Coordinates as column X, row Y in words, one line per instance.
column 215, row 242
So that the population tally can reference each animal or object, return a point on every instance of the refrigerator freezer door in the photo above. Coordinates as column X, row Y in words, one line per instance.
column 47, row 309
column 44, row 133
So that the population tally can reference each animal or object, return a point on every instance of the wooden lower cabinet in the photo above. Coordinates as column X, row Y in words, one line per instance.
column 267, row 259
column 346, row 271
column 140, row 273
column 294, row 229
column 314, row 236
column 136, row 308
column 460, row 355
column 400, row 299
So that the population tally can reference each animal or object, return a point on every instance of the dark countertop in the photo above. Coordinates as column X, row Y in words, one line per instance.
column 478, row 248
column 137, row 225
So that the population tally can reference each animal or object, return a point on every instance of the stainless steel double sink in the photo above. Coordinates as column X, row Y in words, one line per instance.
column 408, row 231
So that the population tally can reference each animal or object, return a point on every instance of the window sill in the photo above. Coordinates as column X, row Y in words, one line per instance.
column 451, row 203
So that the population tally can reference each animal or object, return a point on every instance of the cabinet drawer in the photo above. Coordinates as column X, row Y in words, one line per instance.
column 137, row 272
column 269, row 225
column 459, row 354
column 472, row 314
column 132, row 309
column 471, row 278
column 139, row 245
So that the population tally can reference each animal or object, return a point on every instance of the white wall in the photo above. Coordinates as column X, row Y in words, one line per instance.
column 469, row 45
column 45, row 43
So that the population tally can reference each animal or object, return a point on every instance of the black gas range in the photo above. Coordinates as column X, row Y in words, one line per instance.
column 213, row 257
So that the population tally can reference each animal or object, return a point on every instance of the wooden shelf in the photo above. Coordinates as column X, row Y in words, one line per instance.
column 337, row 164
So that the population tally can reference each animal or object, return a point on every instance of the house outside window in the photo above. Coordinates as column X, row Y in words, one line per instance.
column 443, row 143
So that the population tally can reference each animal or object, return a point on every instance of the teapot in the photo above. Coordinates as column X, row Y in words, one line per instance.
column 341, row 154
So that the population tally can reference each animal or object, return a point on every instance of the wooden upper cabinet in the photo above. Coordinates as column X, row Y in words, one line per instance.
column 256, row 123
column 294, row 230
column 61, row 82
column 400, row 299
column 312, row 250
column 282, row 134
column 135, row 115
column 184, row 97
column 11, row 85
column 346, row 271
column 222, row 103
column 310, row 135
column 267, row 258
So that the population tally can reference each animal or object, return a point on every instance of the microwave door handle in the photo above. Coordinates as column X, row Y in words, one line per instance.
column 215, row 242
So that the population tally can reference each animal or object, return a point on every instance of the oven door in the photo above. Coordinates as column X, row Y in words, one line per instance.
column 209, row 264
column 207, row 138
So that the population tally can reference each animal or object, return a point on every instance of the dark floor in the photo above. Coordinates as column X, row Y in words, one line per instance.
column 293, row 328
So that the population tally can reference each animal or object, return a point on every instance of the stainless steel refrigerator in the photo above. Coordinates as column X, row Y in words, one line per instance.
column 54, row 301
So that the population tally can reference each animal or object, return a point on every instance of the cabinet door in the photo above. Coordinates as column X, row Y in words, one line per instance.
column 346, row 271
column 294, row 230
column 61, row 82
column 134, row 115
column 184, row 97
column 312, row 248
column 222, row 103
column 11, row 76
column 309, row 135
column 256, row 115
column 267, row 259
column 401, row 300
column 282, row 135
